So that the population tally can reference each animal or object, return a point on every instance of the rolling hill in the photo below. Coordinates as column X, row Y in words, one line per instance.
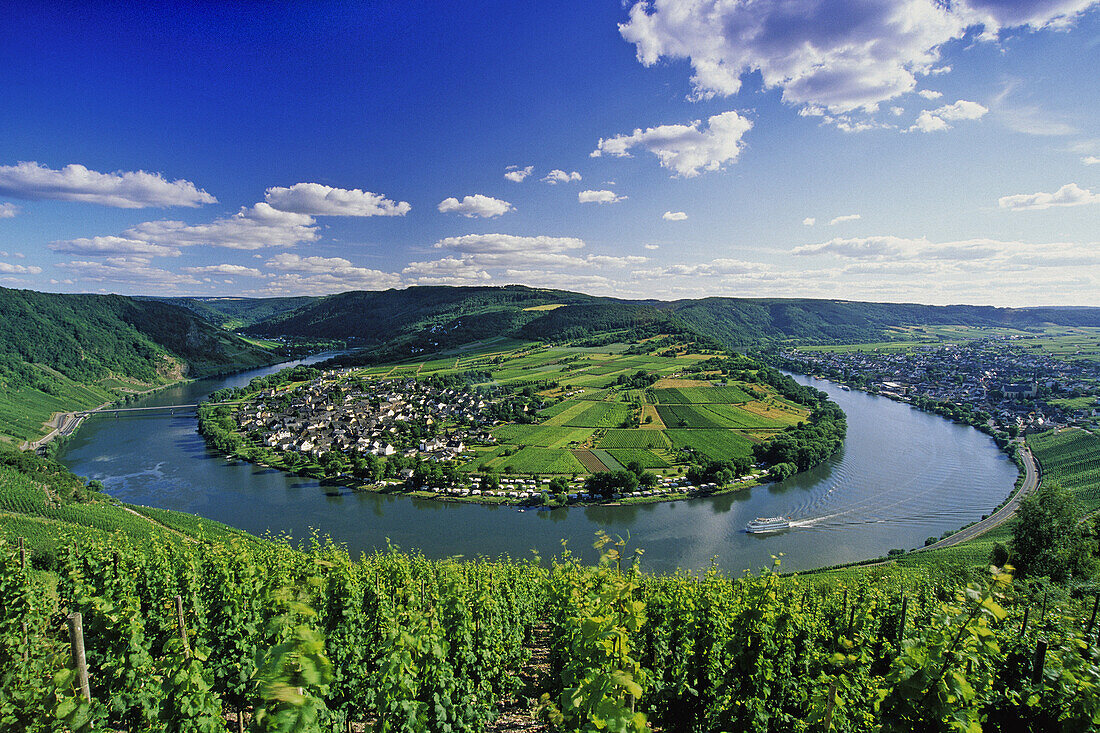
column 439, row 316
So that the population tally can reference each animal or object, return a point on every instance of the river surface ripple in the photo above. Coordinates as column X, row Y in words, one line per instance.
column 902, row 475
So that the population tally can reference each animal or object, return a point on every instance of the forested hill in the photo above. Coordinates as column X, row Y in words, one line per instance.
column 744, row 321
column 88, row 337
column 440, row 316
column 63, row 352
column 235, row 313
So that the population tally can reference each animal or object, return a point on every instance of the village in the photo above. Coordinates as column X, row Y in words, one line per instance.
column 1012, row 389
column 382, row 418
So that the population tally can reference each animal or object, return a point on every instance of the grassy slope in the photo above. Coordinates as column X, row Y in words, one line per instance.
column 30, row 509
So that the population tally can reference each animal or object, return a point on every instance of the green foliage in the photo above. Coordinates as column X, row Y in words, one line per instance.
column 1049, row 539
column 1071, row 458
column 87, row 337
column 597, row 614
column 293, row 675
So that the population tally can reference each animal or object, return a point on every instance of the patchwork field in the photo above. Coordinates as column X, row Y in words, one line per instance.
column 545, row 436
column 598, row 419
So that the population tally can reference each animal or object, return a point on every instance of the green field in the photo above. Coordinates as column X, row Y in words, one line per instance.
column 608, row 460
column 719, row 445
column 600, row 415
column 539, row 460
column 692, row 416
column 699, row 395
column 545, row 436
column 645, row 458
column 619, row 438
column 23, row 411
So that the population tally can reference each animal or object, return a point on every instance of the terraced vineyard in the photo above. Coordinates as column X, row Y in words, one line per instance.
column 1071, row 458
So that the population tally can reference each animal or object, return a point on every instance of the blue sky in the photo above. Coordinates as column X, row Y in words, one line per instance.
column 892, row 150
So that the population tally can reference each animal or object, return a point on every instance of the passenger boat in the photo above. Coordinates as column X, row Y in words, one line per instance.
column 768, row 524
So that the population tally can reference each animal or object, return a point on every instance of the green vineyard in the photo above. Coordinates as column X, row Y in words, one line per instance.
column 203, row 637
column 1071, row 458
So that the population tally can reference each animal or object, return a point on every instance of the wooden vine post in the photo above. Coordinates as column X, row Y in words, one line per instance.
column 26, row 635
column 76, row 643
column 182, row 626
column 829, row 704
column 1040, row 662
column 1092, row 620
column 901, row 621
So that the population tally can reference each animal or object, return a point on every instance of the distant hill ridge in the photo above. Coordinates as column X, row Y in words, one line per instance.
column 443, row 316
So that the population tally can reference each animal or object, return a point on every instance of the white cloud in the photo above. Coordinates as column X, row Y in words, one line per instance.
column 320, row 275
column 1068, row 195
column 809, row 221
column 446, row 271
column 1091, row 160
column 316, row 199
column 686, row 150
column 508, row 243
column 235, row 270
column 936, row 120
column 722, row 266
column 652, row 246
column 122, row 189
column 842, row 219
column 560, row 176
column 842, row 55
column 930, row 94
column 9, row 269
column 113, row 246
column 253, row 227
column 599, row 197
column 7, row 211
column 973, row 257
column 674, row 216
column 485, row 207
column 479, row 257
column 517, row 174
column 134, row 271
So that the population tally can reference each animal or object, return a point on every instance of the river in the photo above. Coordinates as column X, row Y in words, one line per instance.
column 902, row 475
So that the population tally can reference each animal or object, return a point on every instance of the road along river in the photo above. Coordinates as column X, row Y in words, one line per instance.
column 903, row 475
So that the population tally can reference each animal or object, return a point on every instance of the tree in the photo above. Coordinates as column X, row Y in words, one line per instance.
column 1049, row 537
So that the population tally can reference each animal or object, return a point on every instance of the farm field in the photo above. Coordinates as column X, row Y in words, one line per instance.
column 598, row 409
column 634, row 439
column 719, row 445
column 545, row 436
column 642, row 456
column 597, row 420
